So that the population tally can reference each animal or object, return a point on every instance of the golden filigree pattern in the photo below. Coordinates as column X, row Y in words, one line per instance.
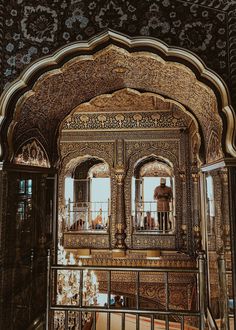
column 73, row 241
column 32, row 154
column 156, row 169
column 56, row 93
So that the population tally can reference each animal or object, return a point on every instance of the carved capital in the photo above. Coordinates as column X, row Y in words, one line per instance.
column 120, row 174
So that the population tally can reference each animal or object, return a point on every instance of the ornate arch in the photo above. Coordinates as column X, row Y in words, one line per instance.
column 72, row 151
column 146, row 149
column 198, row 88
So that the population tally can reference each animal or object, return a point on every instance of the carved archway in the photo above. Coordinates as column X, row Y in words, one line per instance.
column 49, row 89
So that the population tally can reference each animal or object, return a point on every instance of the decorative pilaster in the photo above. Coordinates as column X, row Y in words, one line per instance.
column 184, row 226
column 120, row 173
column 120, row 209
column 223, row 292
column 225, row 226
column 195, row 214
column 232, row 217
column 196, row 203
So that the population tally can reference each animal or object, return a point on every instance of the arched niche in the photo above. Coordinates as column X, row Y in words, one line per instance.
column 168, row 155
column 84, row 204
column 147, row 212
column 52, row 87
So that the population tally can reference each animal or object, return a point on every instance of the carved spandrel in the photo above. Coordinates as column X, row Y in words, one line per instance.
column 32, row 154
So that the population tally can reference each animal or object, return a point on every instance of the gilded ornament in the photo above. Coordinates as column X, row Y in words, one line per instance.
column 120, row 118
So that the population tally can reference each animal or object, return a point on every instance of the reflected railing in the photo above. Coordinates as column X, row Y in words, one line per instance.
column 148, row 218
column 86, row 216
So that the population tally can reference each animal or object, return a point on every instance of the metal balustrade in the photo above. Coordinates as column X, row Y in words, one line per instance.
column 90, row 216
column 74, row 314
column 147, row 218
column 87, row 216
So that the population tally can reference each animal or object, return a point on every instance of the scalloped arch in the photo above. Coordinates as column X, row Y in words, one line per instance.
column 62, row 87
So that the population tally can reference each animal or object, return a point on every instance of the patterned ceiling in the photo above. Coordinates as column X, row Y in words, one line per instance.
column 32, row 29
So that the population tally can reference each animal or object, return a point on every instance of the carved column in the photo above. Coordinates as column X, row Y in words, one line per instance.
column 41, row 222
column 232, row 217
column 120, row 234
column 184, row 226
column 225, row 226
column 218, row 201
column 195, row 204
column 120, row 173
column 195, row 213
column 223, row 292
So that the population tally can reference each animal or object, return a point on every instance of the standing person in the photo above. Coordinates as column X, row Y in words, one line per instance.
column 163, row 195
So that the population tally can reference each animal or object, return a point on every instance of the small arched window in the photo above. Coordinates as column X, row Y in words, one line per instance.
column 87, row 196
column 153, row 197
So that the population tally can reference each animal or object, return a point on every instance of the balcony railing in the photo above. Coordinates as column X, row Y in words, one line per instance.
column 75, row 314
column 147, row 218
column 84, row 216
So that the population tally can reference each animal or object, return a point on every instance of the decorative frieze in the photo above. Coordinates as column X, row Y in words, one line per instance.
column 132, row 120
column 76, row 240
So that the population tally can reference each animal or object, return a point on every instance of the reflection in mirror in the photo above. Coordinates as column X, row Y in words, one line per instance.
column 87, row 196
column 153, row 196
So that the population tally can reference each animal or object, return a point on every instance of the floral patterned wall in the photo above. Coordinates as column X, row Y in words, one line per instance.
column 32, row 29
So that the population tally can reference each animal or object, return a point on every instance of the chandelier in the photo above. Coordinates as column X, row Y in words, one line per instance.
column 68, row 291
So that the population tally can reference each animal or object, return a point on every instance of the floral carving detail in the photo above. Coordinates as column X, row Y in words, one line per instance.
column 120, row 118
column 111, row 14
column 32, row 154
column 156, row 20
column 39, row 23
column 80, row 20
column 196, row 35
column 77, row 18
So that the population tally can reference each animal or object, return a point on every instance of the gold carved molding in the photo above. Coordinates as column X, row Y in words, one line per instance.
column 202, row 100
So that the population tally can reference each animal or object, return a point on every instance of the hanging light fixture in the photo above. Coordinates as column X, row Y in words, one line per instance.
column 68, row 288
